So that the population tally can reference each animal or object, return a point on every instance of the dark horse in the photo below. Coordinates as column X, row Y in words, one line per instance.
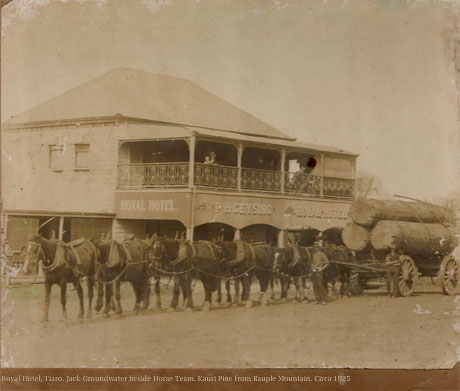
column 120, row 262
column 336, row 271
column 162, row 257
column 264, row 259
column 240, row 259
column 293, row 262
column 63, row 263
column 206, row 258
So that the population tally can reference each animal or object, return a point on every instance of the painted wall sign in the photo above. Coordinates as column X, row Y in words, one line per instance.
column 239, row 211
column 243, row 208
column 154, row 206
column 147, row 205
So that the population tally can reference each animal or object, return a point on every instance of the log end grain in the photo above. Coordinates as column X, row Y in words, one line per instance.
column 355, row 237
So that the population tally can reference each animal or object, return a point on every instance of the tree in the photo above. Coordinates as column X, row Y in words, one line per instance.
column 369, row 186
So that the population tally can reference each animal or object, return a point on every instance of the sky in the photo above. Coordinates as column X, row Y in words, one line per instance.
column 374, row 77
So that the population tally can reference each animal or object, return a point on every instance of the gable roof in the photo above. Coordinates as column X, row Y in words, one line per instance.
column 145, row 95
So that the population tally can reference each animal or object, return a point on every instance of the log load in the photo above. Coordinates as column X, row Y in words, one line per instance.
column 368, row 212
column 432, row 240
column 356, row 237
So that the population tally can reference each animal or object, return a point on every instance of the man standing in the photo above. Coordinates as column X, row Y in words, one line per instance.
column 318, row 264
column 393, row 264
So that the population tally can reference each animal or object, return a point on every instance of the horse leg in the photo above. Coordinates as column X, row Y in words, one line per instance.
column 48, row 286
column 89, row 314
column 229, row 295
column 247, row 296
column 118, row 310
column 63, row 286
column 272, row 288
column 176, row 293
column 237, row 297
column 264, row 281
column 138, row 294
column 157, row 306
column 219, row 292
column 301, row 289
column 100, row 295
column 305, row 290
column 79, row 289
column 297, row 289
column 108, row 299
column 145, row 294
column 207, row 297
column 187, row 283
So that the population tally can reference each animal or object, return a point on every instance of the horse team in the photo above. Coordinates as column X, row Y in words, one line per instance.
column 106, row 263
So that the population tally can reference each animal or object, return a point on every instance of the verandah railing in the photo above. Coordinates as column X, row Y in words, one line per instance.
column 158, row 175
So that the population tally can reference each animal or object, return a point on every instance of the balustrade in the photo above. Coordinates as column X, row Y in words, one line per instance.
column 155, row 175
column 302, row 184
column 338, row 187
column 145, row 175
column 213, row 175
column 262, row 180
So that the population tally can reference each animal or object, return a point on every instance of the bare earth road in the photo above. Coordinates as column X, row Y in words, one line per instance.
column 422, row 331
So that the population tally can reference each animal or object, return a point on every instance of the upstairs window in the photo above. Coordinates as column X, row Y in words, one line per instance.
column 56, row 154
column 82, row 156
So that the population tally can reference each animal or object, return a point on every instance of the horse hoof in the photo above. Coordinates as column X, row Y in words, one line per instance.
column 249, row 304
column 171, row 309
column 89, row 315
column 106, row 315
column 189, row 310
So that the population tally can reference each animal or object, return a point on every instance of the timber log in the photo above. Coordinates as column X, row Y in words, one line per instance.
column 431, row 240
column 368, row 212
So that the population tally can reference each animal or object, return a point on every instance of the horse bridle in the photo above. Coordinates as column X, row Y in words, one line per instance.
column 51, row 265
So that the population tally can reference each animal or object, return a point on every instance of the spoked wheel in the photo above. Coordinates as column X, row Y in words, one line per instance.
column 449, row 273
column 408, row 274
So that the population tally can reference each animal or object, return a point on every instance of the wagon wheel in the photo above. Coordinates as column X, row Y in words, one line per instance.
column 408, row 274
column 449, row 273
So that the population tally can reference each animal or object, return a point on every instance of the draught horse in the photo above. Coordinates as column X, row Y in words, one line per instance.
column 293, row 262
column 163, row 257
column 240, row 259
column 336, row 271
column 206, row 258
column 63, row 263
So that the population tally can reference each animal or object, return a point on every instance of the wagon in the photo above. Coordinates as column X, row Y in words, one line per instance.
column 413, row 266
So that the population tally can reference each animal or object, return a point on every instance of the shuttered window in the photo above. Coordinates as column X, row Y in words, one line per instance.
column 82, row 156
column 56, row 154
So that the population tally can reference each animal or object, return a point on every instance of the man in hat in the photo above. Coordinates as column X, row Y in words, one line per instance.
column 210, row 158
column 393, row 265
column 319, row 262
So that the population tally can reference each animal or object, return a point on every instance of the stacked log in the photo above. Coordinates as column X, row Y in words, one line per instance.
column 413, row 227
column 356, row 237
column 414, row 238
column 369, row 212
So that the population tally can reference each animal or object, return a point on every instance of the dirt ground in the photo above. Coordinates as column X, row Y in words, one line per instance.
column 371, row 330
